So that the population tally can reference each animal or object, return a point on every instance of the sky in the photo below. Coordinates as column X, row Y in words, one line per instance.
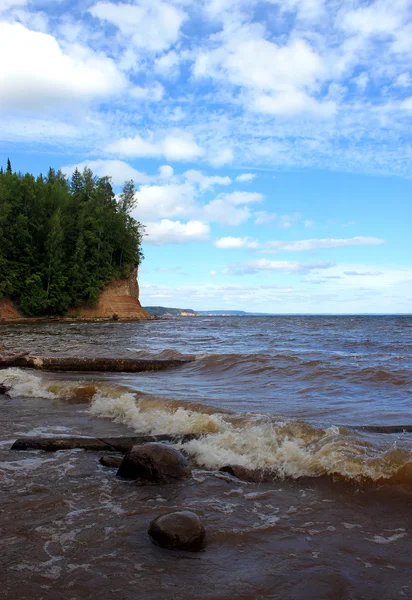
column 270, row 141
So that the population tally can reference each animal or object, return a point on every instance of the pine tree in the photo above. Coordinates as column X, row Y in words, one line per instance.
column 9, row 169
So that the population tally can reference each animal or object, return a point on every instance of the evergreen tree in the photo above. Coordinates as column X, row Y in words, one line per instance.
column 61, row 241
column 9, row 169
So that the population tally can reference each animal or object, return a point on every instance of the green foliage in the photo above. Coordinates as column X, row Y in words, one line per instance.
column 62, row 240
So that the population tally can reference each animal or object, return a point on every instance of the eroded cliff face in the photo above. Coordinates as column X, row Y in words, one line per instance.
column 8, row 311
column 119, row 299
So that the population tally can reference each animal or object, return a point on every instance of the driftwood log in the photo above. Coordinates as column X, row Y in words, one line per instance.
column 64, row 363
column 114, row 444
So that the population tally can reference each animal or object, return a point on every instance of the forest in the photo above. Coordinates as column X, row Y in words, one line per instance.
column 62, row 240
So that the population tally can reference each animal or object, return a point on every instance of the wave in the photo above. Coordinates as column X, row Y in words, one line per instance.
column 283, row 449
column 306, row 369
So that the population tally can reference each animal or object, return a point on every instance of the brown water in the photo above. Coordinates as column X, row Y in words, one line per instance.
column 280, row 394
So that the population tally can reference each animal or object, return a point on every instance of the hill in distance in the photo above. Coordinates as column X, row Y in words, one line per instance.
column 163, row 311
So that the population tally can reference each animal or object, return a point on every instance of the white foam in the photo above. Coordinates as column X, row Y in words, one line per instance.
column 127, row 411
column 285, row 449
column 380, row 539
column 25, row 384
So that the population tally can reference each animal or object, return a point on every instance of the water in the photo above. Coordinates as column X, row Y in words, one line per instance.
column 284, row 395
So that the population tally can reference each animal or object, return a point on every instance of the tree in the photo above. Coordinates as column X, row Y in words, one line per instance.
column 61, row 241
column 9, row 169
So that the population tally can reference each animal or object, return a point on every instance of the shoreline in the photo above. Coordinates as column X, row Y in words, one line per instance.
column 22, row 320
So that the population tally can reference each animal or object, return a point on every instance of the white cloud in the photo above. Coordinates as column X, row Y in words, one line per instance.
column 279, row 266
column 403, row 80
column 150, row 25
column 291, row 102
column 279, row 78
column 221, row 157
column 118, row 170
column 177, row 145
column 38, row 74
column 299, row 245
column 166, row 172
column 317, row 244
column 176, row 232
column 160, row 201
column 245, row 177
column 236, row 242
column 230, row 208
column 237, row 198
column 7, row 4
column 168, row 64
column 407, row 103
column 377, row 18
column 205, row 181
column 219, row 211
column 152, row 93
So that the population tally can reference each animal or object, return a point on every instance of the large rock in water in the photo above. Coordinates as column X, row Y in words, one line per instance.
column 111, row 461
column 245, row 474
column 154, row 462
column 181, row 530
column 4, row 389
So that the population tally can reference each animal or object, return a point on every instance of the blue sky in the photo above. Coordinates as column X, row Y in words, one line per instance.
column 270, row 142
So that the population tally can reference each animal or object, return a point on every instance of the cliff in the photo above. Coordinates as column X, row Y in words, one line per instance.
column 119, row 299
column 8, row 311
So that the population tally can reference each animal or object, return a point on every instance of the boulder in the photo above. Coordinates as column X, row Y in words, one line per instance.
column 155, row 462
column 245, row 474
column 4, row 389
column 180, row 530
column 111, row 461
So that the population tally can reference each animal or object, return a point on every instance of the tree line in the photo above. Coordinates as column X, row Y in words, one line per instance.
column 62, row 240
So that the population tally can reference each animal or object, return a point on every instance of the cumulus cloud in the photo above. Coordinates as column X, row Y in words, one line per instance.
column 236, row 242
column 206, row 181
column 176, row 145
column 150, row 26
column 152, row 93
column 176, row 232
column 231, row 209
column 118, row 170
column 245, row 177
column 170, row 200
column 38, row 74
column 278, row 78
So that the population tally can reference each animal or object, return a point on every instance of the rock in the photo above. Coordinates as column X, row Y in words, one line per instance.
column 154, row 462
column 250, row 475
column 4, row 389
column 111, row 461
column 181, row 530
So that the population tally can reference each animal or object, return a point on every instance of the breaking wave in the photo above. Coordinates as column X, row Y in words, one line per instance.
column 260, row 442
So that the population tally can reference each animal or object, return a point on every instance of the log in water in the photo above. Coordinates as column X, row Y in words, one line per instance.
column 64, row 363
column 118, row 444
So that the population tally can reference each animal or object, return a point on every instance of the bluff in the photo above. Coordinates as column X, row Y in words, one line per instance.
column 119, row 299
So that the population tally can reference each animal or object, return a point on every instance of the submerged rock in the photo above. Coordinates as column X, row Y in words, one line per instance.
column 154, row 462
column 4, row 389
column 111, row 461
column 180, row 530
column 250, row 475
